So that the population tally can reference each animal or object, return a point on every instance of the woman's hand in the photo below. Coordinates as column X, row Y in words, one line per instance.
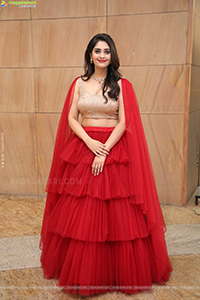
column 96, row 147
column 97, row 165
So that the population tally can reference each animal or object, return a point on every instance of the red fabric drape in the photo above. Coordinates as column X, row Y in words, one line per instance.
column 141, row 176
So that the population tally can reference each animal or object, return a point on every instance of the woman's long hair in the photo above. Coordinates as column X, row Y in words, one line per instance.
column 113, row 75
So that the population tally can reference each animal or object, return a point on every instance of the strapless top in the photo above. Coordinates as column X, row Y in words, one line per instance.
column 94, row 106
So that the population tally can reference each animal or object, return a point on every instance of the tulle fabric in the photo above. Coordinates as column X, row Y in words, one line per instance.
column 97, row 239
column 106, row 232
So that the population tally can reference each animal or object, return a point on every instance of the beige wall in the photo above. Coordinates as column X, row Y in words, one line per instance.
column 194, row 106
column 41, row 53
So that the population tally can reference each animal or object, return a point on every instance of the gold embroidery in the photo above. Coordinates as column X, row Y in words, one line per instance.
column 94, row 106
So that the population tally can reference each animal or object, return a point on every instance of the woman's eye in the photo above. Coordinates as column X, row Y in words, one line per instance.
column 106, row 52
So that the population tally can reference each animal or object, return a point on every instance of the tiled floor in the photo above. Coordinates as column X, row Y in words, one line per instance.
column 21, row 276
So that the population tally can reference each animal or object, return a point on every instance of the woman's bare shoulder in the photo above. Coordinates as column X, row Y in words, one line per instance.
column 119, row 82
column 79, row 82
column 124, row 81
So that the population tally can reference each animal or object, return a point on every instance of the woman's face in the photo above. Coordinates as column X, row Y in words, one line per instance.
column 101, row 55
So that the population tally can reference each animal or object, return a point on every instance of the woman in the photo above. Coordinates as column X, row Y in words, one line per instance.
column 103, row 228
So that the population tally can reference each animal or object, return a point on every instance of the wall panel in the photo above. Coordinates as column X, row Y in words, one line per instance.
column 164, row 135
column 16, row 44
column 160, row 89
column 118, row 7
column 196, row 42
column 69, row 9
column 18, row 138
column 17, row 90
column 51, row 86
column 13, row 12
column 193, row 152
column 150, row 39
column 54, row 47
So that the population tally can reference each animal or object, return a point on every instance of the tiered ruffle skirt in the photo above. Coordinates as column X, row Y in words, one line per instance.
column 96, row 240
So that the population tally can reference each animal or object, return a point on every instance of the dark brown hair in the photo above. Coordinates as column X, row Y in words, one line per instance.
column 113, row 75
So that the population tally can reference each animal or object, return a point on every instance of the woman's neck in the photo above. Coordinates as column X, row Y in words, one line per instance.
column 100, row 73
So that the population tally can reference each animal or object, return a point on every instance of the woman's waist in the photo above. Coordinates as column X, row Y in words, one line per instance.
column 107, row 123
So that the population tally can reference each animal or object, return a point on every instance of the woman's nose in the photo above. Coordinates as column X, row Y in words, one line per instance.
column 102, row 54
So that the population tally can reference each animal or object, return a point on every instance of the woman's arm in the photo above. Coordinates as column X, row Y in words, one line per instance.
column 98, row 162
column 95, row 146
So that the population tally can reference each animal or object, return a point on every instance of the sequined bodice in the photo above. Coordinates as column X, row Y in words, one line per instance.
column 94, row 106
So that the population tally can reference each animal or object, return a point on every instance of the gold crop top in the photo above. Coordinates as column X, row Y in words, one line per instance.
column 94, row 107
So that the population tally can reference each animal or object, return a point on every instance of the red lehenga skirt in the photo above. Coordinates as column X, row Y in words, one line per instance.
column 96, row 240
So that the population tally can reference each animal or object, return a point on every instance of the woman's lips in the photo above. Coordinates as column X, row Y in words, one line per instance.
column 102, row 61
